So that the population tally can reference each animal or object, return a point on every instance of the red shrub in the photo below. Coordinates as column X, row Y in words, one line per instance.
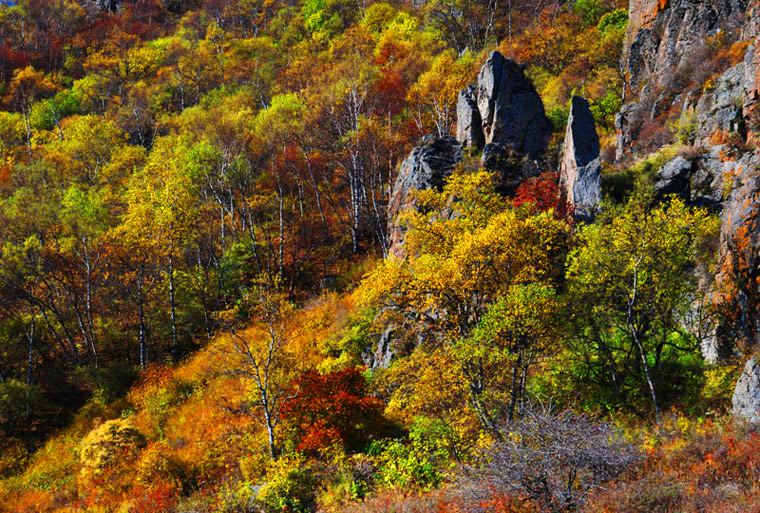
column 543, row 193
column 333, row 408
column 160, row 497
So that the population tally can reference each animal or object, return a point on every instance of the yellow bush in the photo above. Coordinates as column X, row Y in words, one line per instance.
column 104, row 444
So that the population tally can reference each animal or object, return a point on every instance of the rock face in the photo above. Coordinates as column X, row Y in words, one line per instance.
column 666, row 46
column 502, row 115
column 580, row 169
column 107, row 5
column 662, row 35
column 746, row 400
column 469, row 124
column 510, row 112
column 673, row 178
column 426, row 167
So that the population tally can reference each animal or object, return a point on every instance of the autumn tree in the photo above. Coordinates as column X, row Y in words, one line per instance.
column 262, row 356
column 466, row 248
column 333, row 409
column 632, row 277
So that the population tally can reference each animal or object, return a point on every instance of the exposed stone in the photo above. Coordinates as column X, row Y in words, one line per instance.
column 514, row 115
column 661, row 34
column 739, row 256
column 107, row 5
column 624, row 135
column 426, row 167
column 385, row 350
column 580, row 168
column 469, row 123
column 666, row 42
column 673, row 178
column 721, row 109
column 511, row 112
column 746, row 400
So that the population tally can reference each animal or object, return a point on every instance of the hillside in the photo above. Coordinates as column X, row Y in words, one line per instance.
column 404, row 256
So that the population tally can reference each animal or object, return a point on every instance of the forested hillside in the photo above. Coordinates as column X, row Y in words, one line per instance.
column 403, row 256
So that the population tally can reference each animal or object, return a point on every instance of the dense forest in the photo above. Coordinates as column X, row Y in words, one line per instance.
column 434, row 256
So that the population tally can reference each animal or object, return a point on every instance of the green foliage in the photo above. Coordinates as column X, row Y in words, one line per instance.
column 320, row 19
column 289, row 487
column 685, row 127
column 633, row 276
column 112, row 382
column 411, row 464
column 604, row 110
column 17, row 400
column 589, row 10
column 378, row 16
column 558, row 117
column 615, row 20
column 48, row 113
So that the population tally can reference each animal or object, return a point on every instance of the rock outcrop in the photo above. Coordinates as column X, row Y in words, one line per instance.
column 502, row 115
column 666, row 47
column 746, row 400
column 580, row 169
column 469, row 123
column 426, row 167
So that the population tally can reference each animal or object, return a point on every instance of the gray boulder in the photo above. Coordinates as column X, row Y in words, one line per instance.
column 511, row 110
column 673, row 178
column 426, row 167
column 746, row 400
column 580, row 168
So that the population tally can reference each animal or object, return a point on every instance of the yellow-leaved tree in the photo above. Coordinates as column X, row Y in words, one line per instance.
column 467, row 250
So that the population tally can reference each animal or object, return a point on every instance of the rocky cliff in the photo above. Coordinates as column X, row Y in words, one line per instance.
column 693, row 66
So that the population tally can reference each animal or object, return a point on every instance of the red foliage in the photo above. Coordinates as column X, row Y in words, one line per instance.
column 544, row 194
column 160, row 497
column 333, row 408
column 703, row 472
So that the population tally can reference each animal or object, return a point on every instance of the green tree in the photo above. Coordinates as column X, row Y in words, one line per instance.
column 632, row 277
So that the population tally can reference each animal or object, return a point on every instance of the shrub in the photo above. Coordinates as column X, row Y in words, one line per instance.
column 553, row 460
column 290, row 487
column 108, row 441
column 333, row 409
column 615, row 20
column 685, row 127
column 17, row 401
column 415, row 464
column 13, row 456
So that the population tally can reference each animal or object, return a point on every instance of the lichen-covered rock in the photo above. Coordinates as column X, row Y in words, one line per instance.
column 746, row 400
column 512, row 112
column 721, row 109
column 427, row 166
column 624, row 120
column 739, row 257
column 661, row 34
column 580, row 169
column 667, row 45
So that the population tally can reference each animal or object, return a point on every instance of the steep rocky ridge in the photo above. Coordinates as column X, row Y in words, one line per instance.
column 501, row 115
